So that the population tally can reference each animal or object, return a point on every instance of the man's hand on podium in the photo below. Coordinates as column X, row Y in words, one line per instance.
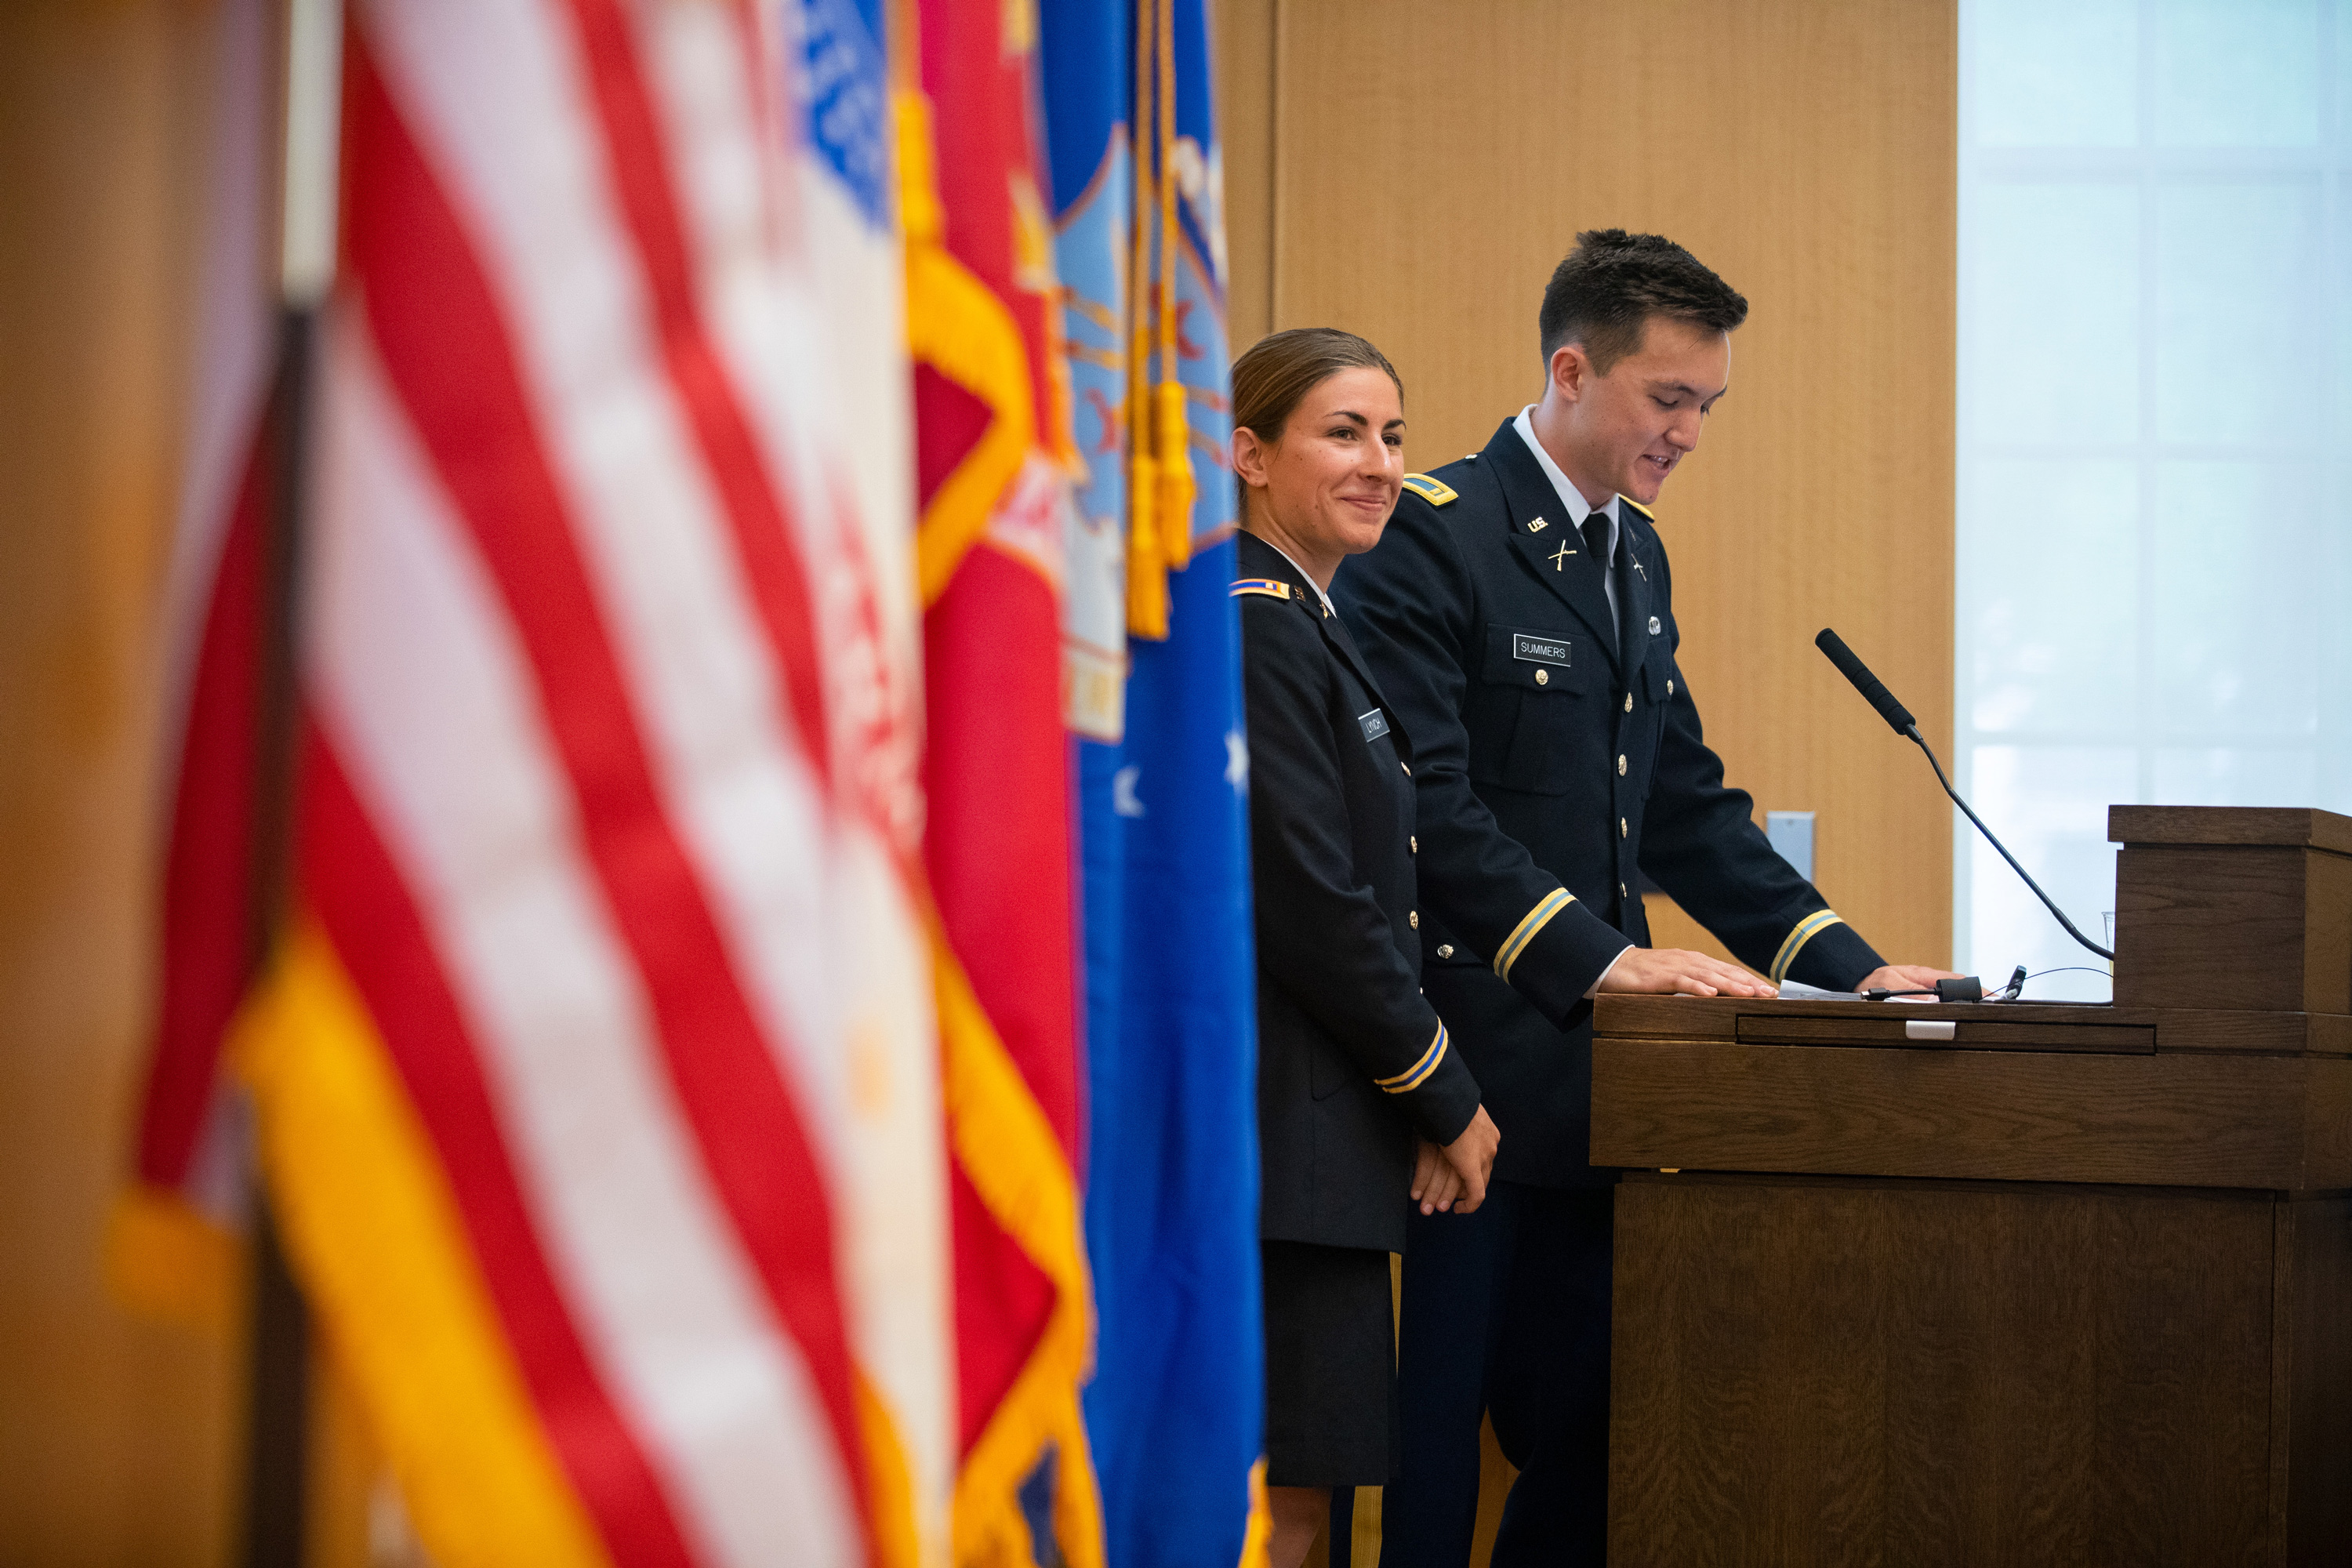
column 1670, row 969
column 1904, row 977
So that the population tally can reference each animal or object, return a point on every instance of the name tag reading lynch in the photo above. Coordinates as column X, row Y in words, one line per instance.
column 1540, row 650
column 1375, row 725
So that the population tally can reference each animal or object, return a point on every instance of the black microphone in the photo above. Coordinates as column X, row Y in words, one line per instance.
column 1899, row 720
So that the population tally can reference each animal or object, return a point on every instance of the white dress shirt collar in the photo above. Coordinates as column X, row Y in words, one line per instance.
column 1570, row 498
column 1302, row 571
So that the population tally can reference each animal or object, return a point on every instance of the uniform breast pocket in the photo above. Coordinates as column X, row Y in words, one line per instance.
column 1658, row 663
column 1661, row 684
column 1524, row 710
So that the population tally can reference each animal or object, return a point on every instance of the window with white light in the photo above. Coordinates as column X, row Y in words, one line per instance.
column 2154, row 523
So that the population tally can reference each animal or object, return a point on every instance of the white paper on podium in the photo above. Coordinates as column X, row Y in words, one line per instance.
column 1798, row 990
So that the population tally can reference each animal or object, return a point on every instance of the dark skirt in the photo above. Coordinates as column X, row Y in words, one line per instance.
column 1330, row 1366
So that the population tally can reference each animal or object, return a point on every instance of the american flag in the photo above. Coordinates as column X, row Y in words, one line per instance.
column 594, row 1077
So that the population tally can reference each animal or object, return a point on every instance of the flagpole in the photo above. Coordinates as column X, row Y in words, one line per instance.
column 278, row 1401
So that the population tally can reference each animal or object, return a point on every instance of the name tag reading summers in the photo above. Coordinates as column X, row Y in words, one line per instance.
column 1540, row 650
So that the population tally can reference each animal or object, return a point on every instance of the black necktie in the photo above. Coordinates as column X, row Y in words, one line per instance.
column 1595, row 528
column 1596, row 537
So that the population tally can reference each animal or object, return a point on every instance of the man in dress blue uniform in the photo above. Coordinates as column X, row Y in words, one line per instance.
column 1518, row 614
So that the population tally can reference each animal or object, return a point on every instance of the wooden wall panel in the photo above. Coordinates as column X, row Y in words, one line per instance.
column 1245, row 122
column 117, row 1437
column 1429, row 166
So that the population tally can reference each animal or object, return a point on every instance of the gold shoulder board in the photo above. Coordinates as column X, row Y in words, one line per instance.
column 1637, row 506
column 1273, row 588
column 1436, row 492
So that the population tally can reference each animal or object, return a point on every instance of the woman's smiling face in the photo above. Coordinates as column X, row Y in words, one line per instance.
column 1326, row 489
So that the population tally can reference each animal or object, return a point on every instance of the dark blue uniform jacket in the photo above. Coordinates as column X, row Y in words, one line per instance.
column 1352, row 1059
column 1555, row 763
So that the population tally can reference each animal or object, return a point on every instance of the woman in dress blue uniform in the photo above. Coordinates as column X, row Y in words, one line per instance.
column 1353, row 1063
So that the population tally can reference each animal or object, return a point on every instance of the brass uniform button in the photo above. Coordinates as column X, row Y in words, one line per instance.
column 1621, row 889
column 1413, row 844
column 1670, row 689
column 1543, row 678
column 1623, row 832
column 1629, row 702
column 1412, row 919
column 1408, row 769
column 1445, row 950
column 1621, row 765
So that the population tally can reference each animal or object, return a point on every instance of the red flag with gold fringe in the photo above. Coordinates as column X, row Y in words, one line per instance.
column 993, row 483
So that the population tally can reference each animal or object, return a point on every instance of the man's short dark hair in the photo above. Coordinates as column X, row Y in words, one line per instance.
column 1613, row 282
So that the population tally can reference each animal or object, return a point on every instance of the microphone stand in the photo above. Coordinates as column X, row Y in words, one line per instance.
column 1912, row 731
column 1898, row 718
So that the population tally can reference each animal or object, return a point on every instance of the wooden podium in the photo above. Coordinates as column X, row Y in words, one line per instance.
column 2004, row 1283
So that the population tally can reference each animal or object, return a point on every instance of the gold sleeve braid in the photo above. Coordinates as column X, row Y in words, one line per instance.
column 1812, row 926
column 1413, row 1077
column 1525, row 931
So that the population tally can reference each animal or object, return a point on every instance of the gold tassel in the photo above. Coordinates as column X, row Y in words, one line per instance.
column 1147, row 577
column 1174, row 509
column 1146, row 584
column 1177, row 488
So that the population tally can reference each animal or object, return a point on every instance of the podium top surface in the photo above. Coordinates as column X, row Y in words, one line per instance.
column 2065, row 1026
column 2299, row 828
column 1635, row 1013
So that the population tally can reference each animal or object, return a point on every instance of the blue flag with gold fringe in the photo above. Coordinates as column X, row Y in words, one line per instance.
column 1176, row 1411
